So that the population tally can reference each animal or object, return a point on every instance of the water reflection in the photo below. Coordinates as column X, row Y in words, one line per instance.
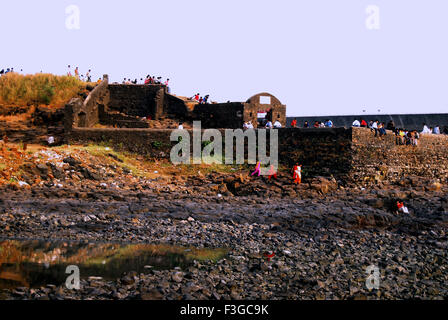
column 36, row 263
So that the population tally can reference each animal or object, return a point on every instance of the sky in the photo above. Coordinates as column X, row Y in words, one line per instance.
column 319, row 57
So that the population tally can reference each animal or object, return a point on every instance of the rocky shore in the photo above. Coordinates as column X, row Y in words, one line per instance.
column 322, row 246
column 323, row 235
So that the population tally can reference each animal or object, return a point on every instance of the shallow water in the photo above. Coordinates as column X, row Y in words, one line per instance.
column 37, row 263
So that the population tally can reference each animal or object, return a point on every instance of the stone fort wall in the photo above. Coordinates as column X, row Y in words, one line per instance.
column 375, row 160
column 346, row 154
column 122, row 105
column 407, row 121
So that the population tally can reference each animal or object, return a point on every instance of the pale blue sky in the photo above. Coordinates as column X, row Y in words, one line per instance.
column 316, row 56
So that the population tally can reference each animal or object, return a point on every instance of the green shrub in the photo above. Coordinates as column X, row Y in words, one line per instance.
column 156, row 144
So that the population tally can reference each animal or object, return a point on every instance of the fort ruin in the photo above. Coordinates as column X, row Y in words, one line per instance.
column 338, row 152
column 130, row 106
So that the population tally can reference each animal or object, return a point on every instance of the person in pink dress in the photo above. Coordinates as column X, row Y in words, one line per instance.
column 257, row 169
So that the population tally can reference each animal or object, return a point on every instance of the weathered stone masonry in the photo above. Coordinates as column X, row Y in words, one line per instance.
column 85, row 114
column 377, row 159
column 122, row 106
column 352, row 154
column 234, row 114
column 347, row 154
column 125, row 106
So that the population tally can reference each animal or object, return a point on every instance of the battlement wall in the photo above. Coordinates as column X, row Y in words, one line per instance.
column 136, row 100
column 378, row 159
column 349, row 155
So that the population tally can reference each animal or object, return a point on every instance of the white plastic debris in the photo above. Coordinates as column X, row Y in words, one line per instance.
column 50, row 140
column 107, row 148
column 23, row 183
column 219, row 195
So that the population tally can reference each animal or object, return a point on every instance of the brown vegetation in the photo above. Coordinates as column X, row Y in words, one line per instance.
column 38, row 89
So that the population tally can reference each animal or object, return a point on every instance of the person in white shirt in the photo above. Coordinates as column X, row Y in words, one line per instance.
column 436, row 130
column 375, row 127
column 245, row 125
column 250, row 125
column 356, row 123
column 277, row 124
column 50, row 140
column 269, row 125
column 181, row 127
column 426, row 129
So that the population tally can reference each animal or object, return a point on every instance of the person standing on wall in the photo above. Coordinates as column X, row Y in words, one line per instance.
column 89, row 77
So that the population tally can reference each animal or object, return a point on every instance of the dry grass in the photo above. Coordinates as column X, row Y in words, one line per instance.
column 38, row 89
column 145, row 168
column 12, row 156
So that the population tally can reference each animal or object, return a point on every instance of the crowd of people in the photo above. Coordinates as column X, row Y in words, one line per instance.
column 86, row 78
column 402, row 136
column 378, row 127
column 148, row 80
column 6, row 71
column 199, row 99
column 317, row 124
column 153, row 80
column 266, row 124
column 405, row 137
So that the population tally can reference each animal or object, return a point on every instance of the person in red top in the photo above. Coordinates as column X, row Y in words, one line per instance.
column 363, row 123
column 272, row 173
column 297, row 176
column 196, row 97
column 294, row 123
